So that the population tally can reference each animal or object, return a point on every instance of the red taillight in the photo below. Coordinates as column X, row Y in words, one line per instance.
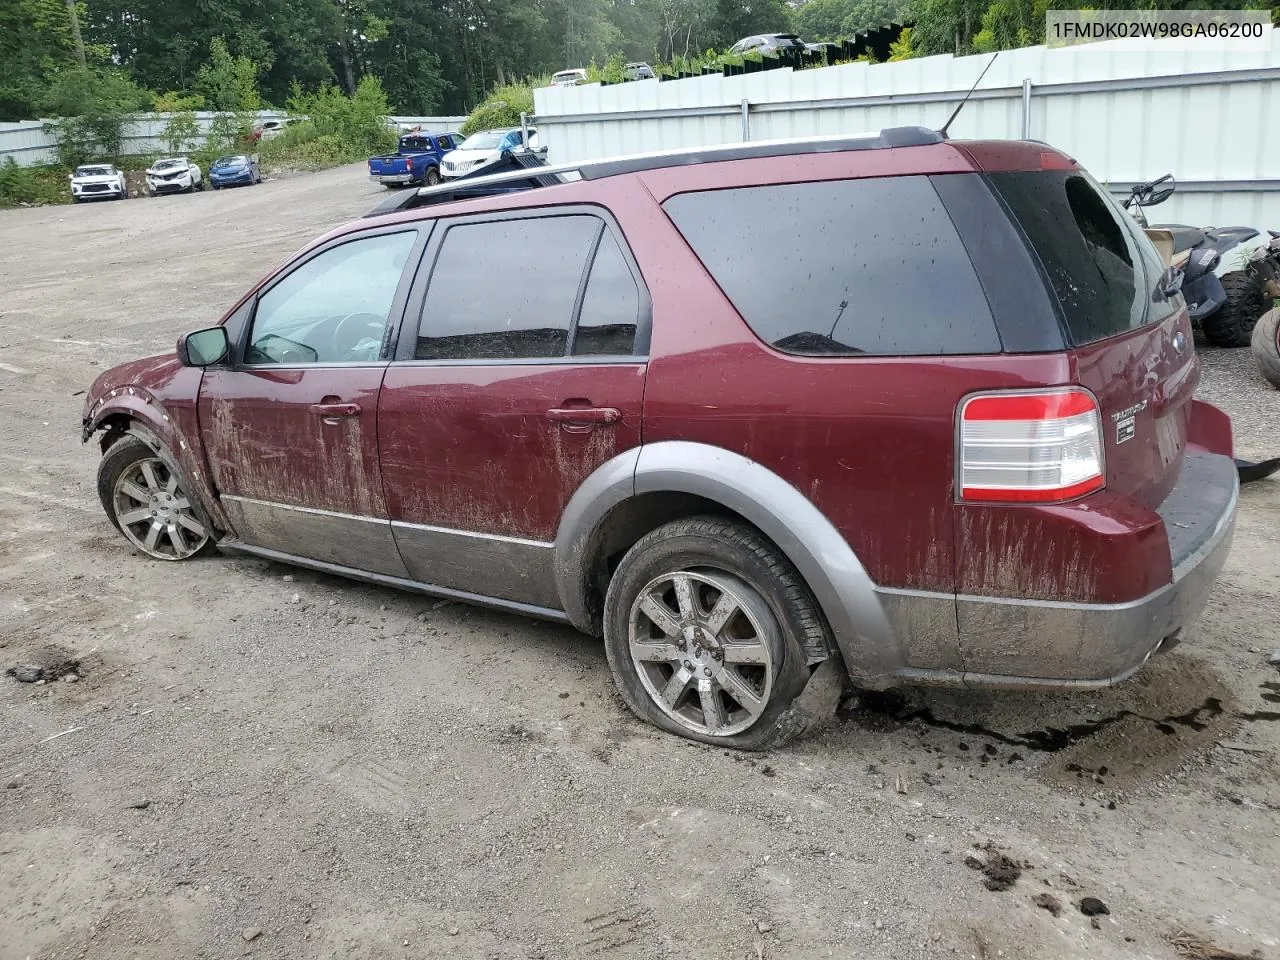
column 1030, row 447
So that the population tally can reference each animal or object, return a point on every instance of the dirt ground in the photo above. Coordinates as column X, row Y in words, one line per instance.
column 261, row 761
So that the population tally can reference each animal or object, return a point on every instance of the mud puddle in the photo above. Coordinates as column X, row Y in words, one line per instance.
column 1108, row 739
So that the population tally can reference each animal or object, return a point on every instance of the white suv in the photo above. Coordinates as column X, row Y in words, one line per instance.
column 98, row 181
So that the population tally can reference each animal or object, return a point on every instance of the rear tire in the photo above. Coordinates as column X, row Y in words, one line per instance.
column 1233, row 323
column 699, row 672
column 1266, row 346
column 433, row 177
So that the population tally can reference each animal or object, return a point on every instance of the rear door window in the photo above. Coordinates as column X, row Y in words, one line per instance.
column 1089, row 254
column 519, row 289
column 842, row 267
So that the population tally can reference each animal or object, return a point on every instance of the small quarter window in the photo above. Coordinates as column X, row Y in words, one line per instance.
column 611, row 306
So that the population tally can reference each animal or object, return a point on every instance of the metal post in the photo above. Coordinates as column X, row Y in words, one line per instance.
column 1026, row 109
column 746, row 120
column 524, row 128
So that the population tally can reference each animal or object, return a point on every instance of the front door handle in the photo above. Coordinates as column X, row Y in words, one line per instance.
column 584, row 417
column 333, row 411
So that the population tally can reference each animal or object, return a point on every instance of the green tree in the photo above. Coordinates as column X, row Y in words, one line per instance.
column 845, row 19
column 93, row 106
column 732, row 20
column 227, row 82
column 35, row 45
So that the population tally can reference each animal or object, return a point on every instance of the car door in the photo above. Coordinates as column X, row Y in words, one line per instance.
column 290, row 424
column 519, row 371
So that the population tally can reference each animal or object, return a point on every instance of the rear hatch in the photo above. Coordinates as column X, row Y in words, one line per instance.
column 1131, row 340
column 389, row 165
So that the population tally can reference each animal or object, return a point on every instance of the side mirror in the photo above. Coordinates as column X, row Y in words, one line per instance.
column 204, row 347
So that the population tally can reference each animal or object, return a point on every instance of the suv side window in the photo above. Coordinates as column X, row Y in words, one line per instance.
column 843, row 267
column 333, row 308
column 519, row 289
column 1092, row 262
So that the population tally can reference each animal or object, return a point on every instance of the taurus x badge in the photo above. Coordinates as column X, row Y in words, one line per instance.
column 1126, row 420
column 1179, row 341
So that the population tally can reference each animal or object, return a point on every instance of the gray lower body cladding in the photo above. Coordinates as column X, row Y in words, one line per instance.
column 1011, row 642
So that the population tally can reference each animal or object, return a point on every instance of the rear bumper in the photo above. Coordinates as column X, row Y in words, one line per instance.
column 1045, row 643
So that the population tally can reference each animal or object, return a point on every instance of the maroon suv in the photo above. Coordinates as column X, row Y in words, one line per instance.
column 918, row 404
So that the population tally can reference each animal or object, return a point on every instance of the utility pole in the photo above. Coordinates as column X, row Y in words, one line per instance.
column 75, row 32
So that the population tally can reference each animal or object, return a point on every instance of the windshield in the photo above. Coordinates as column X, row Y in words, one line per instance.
column 488, row 140
column 230, row 161
column 93, row 171
column 168, row 164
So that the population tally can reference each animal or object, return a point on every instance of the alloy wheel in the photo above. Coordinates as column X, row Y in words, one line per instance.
column 706, row 649
column 155, row 514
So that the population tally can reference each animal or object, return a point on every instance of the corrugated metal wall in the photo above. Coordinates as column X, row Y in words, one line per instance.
column 1209, row 116
column 27, row 142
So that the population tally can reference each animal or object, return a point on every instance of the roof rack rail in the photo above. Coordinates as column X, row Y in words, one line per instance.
column 530, row 172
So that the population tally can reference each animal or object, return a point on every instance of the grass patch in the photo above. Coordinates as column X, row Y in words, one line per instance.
column 32, row 186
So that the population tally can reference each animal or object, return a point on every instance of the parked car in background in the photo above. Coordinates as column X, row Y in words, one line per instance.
column 768, row 43
column 98, row 181
column 569, row 78
column 235, row 170
column 416, row 160
column 481, row 149
column 964, row 450
column 638, row 71
column 174, row 175
column 270, row 129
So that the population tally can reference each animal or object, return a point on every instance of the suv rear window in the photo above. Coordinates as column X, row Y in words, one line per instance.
column 842, row 267
column 1089, row 254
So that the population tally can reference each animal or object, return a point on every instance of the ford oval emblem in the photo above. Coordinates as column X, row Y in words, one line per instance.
column 1180, row 341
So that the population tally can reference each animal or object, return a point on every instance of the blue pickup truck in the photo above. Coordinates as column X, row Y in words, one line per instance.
column 416, row 161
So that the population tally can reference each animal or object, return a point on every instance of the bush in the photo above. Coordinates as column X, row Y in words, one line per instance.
column 356, row 122
column 303, row 146
column 94, row 106
column 181, row 131
column 502, row 108
column 31, row 185
column 613, row 70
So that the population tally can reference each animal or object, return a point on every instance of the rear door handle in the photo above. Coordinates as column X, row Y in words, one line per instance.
column 584, row 415
column 332, row 411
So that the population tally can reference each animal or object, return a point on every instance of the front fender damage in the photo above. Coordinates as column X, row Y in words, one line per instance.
column 134, row 411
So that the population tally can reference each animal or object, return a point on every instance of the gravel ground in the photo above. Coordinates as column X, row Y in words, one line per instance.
column 268, row 762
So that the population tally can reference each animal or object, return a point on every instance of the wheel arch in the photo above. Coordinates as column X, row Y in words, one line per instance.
column 134, row 411
column 645, row 487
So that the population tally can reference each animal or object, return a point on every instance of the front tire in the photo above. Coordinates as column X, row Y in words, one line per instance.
column 704, row 624
column 1233, row 323
column 146, row 502
column 1266, row 346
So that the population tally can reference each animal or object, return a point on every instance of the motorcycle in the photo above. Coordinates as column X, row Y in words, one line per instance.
column 1230, row 274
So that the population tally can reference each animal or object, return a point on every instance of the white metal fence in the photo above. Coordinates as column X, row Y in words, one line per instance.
column 1207, row 116
column 27, row 141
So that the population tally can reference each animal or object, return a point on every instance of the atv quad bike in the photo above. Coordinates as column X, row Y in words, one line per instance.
column 1226, row 270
